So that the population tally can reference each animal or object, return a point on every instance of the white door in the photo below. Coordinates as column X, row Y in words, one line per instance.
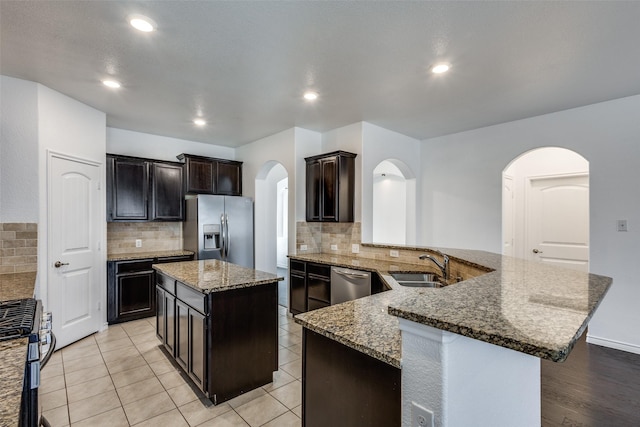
column 74, row 235
column 558, row 220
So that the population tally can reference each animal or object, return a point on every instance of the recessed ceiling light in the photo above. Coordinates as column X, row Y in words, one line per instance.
column 310, row 96
column 113, row 84
column 440, row 68
column 142, row 23
column 199, row 122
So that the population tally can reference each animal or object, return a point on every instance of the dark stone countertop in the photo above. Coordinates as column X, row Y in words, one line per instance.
column 525, row 306
column 215, row 276
column 131, row 256
column 13, row 353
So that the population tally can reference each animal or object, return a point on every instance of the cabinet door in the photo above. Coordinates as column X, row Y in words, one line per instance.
column 182, row 334
column 314, row 182
column 167, row 192
column 129, row 183
column 297, row 293
column 229, row 178
column 170, row 324
column 135, row 294
column 329, row 189
column 197, row 347
column 160, row 314
column 200, row 173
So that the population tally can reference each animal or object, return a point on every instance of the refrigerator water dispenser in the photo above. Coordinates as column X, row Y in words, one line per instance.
column 211, row 236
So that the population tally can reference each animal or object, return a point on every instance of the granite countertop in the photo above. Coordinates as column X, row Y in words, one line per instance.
column 145, row 255
column 13, row 353
column 17, row 285
column 212, row 275
column 525, row 306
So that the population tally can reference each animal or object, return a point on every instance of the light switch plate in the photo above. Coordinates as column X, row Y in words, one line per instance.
column 355, row 248
column 138, row 243
column 334, row 247
column 303, row 247
column 394, row 253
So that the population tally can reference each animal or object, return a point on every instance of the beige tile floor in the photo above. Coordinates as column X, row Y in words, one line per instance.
column 120, row 377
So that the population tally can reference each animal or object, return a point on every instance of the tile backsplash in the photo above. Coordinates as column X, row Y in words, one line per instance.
column 155, row 236
column 19, row 247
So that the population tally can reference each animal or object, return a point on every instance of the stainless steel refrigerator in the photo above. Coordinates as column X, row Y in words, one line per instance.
column 220, row 227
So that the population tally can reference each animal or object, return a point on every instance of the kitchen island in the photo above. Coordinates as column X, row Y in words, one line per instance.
column 471, row 349
column 219, row 322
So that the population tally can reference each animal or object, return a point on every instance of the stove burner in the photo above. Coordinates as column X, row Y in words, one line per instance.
column 16, row 318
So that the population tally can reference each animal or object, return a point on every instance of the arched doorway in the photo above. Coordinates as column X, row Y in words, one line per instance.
column 271, row 223
column 545, row 208
column 394, row 203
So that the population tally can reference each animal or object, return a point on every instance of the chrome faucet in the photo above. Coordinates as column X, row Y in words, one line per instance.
column 443, row 266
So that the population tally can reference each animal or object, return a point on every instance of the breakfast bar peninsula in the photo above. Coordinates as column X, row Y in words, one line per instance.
column 466, row 353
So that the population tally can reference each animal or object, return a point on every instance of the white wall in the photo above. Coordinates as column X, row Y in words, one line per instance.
column 266, row 208
column 139, row 144
column 69, row 127
column 380, row 144
column 288, row 148
column 389, row 216
column 18, row 150
column 462, row 196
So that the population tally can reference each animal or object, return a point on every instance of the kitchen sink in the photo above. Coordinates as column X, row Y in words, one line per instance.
column 418, row 280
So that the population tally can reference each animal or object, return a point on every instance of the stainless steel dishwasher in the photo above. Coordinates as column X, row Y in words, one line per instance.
column 347, row 284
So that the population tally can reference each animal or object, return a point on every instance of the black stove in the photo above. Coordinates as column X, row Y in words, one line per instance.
column 17, row 318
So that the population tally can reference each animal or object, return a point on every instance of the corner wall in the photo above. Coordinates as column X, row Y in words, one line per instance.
column 462, row 196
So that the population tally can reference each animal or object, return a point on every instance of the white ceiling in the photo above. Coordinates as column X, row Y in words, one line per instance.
column 245, row 65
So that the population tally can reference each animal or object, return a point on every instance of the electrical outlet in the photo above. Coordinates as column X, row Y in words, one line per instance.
column 420, row 416
column 394, row 253
column 303, row 247
column 622, row 225
column 138, row 243
column 334, row 247
column 355, row 248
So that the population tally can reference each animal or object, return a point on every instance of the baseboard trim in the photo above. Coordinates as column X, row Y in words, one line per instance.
column 618, row 345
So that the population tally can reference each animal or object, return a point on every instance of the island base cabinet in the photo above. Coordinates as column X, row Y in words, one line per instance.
column 227, row 342
column 342, row 387
column 243, row 352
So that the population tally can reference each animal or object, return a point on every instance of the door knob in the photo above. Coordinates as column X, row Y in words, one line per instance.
column 59, row 264
column 535, row 251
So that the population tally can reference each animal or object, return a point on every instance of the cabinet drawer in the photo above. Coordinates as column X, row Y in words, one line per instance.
column 166, row 282
column 191, row 297
column 133, row 266
column 298, row 266
column 321, row 270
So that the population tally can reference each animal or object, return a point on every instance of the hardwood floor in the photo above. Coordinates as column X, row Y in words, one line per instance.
column 596, row 386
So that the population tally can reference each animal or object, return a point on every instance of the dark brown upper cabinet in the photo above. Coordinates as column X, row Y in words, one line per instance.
column 208, row 175
column 167, row 198
column 144, row 190
column 330, row 187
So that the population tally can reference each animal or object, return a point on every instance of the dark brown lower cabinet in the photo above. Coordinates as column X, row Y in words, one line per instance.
column 131, row 290
column 227, row 342
column 342, row 387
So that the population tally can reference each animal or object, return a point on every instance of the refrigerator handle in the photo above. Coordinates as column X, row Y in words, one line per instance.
column 226, row 224
column 224, row 240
